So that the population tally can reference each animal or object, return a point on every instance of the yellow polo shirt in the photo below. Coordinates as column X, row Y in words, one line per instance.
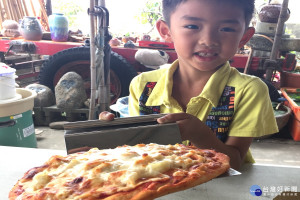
column 231, row 103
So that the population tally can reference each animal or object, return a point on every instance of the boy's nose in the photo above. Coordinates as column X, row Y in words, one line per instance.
column 208, row 38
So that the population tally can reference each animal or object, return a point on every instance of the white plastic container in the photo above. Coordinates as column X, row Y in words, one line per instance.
column 7, row 82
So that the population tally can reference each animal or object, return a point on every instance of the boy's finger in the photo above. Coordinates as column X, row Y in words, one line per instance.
column 105, row 115
column 173, row 117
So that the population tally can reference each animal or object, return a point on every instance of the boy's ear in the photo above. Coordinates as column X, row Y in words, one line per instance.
column 164, row 30
column 247, row 36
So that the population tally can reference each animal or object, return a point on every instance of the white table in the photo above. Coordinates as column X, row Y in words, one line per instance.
column 15, row 161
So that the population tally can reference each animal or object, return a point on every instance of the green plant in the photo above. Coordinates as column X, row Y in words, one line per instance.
column 151, row 12
column 69, row 8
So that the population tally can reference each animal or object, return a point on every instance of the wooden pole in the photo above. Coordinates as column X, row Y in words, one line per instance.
column 93, row 65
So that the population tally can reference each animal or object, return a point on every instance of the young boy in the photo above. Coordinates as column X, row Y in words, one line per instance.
column 215, row 106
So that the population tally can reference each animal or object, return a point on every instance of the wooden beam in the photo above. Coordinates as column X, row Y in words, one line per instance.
column 44, row 16
column 1, row 19
column 7, row 10
column 17, row 9
column 13, row 10
column 32, row 7
column 25, row 8
column 20, row 8
column 1, row 14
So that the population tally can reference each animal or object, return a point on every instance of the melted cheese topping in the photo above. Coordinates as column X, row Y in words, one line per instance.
column 111, row 170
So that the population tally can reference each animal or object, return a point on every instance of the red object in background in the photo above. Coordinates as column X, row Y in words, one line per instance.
column 295, row 128
column 289, row 79
column 239, row 61
column 294, row 124
column 48, row 47
column 43, row 47
column 156, row 45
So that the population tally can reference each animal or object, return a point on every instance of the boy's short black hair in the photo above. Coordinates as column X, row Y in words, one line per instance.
column 169, row 6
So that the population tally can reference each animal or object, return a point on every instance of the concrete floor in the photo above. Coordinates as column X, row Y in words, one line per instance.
column 276, row 150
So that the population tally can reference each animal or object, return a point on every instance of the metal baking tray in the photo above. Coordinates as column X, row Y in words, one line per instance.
column 121, row 131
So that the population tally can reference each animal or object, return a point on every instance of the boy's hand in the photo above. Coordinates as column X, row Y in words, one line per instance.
column 191, row 128
column 107, row 116
column 201, row 136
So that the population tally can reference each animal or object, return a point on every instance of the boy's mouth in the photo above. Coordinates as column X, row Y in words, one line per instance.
column 206, row 54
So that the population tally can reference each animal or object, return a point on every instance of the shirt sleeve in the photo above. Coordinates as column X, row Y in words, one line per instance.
column 133, row 101
column 253, row 115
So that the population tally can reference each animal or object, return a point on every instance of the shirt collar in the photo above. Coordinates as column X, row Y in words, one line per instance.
column 162, row 92
column 213, row 89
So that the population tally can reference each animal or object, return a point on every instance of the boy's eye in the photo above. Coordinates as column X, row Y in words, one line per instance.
column 191, row 27
column 227, row 29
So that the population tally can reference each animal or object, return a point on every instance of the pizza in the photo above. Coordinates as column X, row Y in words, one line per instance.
column 143, row 171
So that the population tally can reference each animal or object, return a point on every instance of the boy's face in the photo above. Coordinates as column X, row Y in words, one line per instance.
column 206, row 34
